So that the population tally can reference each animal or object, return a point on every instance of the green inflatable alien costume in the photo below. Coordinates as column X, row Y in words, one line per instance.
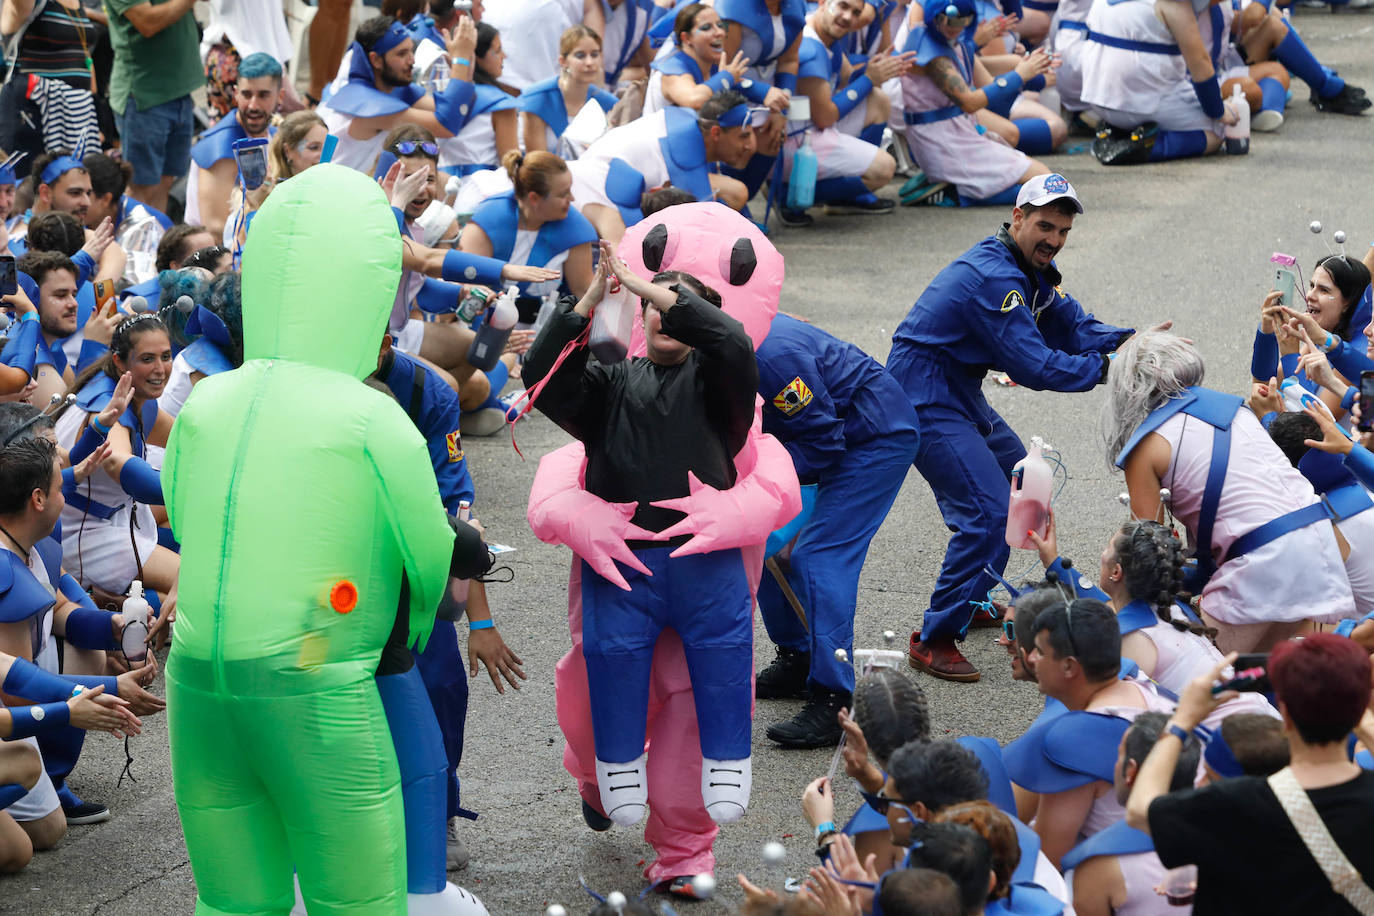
column 302, row 498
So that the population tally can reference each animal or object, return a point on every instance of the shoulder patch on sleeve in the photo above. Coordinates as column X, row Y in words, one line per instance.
column 455, row 447
column 1012, row 300
column 793, row 398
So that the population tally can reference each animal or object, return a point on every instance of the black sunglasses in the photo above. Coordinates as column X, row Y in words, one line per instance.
column 408, row 147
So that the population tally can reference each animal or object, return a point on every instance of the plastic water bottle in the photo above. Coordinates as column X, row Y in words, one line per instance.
column 137, row 618
column 546, row 310
column 612, row 324
column 801, row 188
column 1238, row 134
column 491, row 338
column 1031, row 482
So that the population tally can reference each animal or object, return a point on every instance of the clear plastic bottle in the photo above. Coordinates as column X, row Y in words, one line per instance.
column 546, row 310
column 491, row 338
column 137, row 619
column 1238, row 134
column 612, row 324
column 1031, row 484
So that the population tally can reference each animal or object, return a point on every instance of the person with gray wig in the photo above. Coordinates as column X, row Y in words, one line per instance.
column 1201, row 457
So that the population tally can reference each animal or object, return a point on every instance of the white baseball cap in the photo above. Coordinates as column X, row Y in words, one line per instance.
column 1043, row 189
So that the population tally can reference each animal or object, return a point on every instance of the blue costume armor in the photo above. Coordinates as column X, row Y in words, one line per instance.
column 989, row 309
column 545, row 99
column 684, row 157
column 845, row 424
column 638, row 15
column 499, row 218
column 217, row 143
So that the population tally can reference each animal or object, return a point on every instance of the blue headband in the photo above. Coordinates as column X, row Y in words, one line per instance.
column 59, row 167
column 391, row 38
column 7, row 176
column 743, row 114
column 1219, row 757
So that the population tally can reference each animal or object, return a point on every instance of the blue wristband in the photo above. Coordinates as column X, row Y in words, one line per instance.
column 464, row 267
column 462, row 62
column 454, row 105
column 851, row 96
column 1035, row 83
column 27, row 721
column 823, row 829
column 90, row 628
column 90, row 440
column 29, row 316
column 400, row 220
column 32, row 683
column 141, row 481
column 1209, row 97
column 785, row 81
column 1348, row 399
column 487, row 624
column 1178, row 732
column 720, row 80
column 1001, row 93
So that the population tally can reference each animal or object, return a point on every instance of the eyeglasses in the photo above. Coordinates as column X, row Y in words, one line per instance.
column 957, row 22
column 882, row 804
column 1009, row 630
column 409, row 148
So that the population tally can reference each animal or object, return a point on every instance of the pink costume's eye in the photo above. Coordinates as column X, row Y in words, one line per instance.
column 659, row 247
column 737, row 263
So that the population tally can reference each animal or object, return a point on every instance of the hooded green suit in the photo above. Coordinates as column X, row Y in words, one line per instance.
column 283, row 479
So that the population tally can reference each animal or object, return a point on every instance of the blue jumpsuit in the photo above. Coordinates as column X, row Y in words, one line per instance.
column 433, row 407
column 848, row 428
column 989, row 309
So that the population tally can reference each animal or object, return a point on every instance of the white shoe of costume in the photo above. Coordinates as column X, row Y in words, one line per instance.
column 624, row 789
column 725, row 788
column 451, row 901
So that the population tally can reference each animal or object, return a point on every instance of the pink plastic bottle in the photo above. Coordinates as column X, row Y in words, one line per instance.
column 1031, row 483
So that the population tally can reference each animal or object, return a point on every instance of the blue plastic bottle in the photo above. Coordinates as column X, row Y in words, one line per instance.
column 801, row 190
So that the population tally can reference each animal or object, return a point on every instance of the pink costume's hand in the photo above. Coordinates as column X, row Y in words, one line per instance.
column 765, row 497
column 562, row 512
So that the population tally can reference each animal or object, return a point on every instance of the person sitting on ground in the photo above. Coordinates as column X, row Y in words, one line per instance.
column 48, row 358
column 1256, row 842
column 1161, row 426
column 178, row 243
column 673, row 146
column 1254, row 745
column 214, row 167
column 690, row 75
column 492, row 129
column 945, row 90
column 959, row 852
column 60, row 182
column 549, row 106
column 1117, row 870
column 138, row 228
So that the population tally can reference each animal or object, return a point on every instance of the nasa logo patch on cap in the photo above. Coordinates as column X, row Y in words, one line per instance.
column 1056, row 184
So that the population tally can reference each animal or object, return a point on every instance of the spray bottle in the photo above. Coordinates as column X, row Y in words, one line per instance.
column 491, row 338
column 137, row 616
column 612, row 323
column 1031, row 485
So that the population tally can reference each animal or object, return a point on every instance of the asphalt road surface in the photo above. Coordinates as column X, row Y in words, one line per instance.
column 1188, row 241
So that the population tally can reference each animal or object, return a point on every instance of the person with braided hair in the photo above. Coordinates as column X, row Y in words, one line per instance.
column 1141, row 579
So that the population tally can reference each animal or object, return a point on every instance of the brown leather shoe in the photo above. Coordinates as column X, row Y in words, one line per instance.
column 941, row 659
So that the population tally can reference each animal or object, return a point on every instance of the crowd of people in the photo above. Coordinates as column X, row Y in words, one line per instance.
column 545, row 159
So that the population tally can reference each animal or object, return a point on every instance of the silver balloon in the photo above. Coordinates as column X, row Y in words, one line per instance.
column 841, row 656
column 616, row 900
column 4, row 321
column 774, row 852
column 1165, row 496
column 137, row 304
column 1339, row 236
column 1124, row 499
column 704, row 886
column 184, row 304
column 556, row 909
column 1316, row 227
column 889, row 637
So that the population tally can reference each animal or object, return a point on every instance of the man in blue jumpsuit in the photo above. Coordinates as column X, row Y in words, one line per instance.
column 848, row 428
column 998, row 306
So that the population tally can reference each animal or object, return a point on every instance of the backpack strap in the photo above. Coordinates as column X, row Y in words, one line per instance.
column 1307, row 821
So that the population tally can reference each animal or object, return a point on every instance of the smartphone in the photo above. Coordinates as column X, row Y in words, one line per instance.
column 1286, row 282
column 251, row 155
column 1251, row 675
column 104, row 292
column 1366, row 401
column 330, row 143
column 9, row 280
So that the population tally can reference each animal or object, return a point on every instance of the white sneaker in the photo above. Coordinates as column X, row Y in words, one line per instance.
column 457, row 853
column 725, row 788
column 624, row 789
column 1267, row 120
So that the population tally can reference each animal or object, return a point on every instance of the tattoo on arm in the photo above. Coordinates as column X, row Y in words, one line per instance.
column 945, row 75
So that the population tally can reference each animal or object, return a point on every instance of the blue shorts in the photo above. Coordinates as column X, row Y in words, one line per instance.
column 157, row 140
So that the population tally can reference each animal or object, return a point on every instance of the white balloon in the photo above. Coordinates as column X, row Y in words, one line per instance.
column 1339, row 236
column 1316, row 227
column 889, row 637
column 556, row 909
column 704, row 886
column 774, row 852
column 616, row 899
column 841, row 655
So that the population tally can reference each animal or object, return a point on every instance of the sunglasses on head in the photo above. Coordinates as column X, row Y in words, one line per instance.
column 1009, row 630
column 410, row 147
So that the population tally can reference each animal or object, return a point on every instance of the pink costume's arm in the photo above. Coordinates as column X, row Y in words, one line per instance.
column 765, row 497
column 562, row 512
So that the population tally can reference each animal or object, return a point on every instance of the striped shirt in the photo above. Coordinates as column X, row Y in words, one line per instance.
column 53, row 45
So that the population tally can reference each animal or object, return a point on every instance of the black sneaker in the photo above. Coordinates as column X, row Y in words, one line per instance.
column 87, row 813
column 785, row 677
column 869, row 203
column 817, row 725
column 794, row 217
column 595, row 819
column 1118, row 146
column 1349, row 101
